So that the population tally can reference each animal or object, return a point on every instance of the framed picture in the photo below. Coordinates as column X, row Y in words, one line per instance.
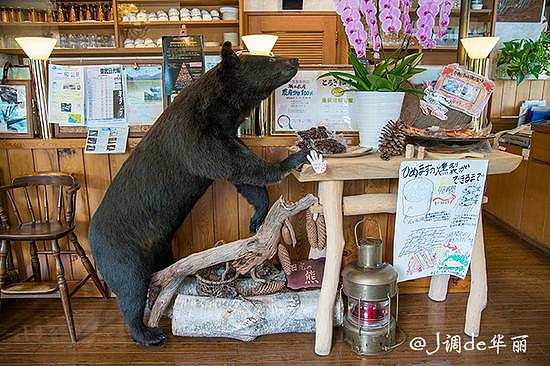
column 307, row 101
column 138, row 129
column 16, row 119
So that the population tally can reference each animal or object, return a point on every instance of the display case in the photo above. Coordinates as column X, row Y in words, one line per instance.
column 118, row 27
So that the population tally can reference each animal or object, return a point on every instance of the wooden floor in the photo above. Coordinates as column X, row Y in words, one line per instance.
column 33, row 332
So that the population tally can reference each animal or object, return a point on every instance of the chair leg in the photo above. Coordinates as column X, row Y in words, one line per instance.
column 35, row 262
column 3, row 267
column 88, row 265
column 63, row 290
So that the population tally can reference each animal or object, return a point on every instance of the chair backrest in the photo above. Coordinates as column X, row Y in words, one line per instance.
column 40, row 197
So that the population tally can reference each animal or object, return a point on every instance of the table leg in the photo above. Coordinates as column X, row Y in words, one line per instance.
column 330, row 196
column 438, row 287
column 478, row 286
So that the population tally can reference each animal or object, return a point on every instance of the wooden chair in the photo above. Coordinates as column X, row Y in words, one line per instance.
column 47, row 223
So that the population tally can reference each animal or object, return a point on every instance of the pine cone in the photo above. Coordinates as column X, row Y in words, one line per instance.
column 392, row 140
column 321, row 232
column 284, row 258
column 311, row 230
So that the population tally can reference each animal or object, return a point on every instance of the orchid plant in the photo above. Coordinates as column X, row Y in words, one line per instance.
column 365, row 20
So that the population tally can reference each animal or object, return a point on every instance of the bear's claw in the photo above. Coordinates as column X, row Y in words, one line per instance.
column 149, row 337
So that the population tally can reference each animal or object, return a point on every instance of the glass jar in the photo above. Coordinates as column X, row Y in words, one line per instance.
column 368, row 314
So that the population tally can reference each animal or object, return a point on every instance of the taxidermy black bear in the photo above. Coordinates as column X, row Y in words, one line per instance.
column 191, row 144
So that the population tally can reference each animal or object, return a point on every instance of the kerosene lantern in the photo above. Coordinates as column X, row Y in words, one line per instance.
column 370, row 286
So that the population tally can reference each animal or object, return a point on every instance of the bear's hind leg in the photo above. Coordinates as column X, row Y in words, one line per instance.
column 257, row 196
column 132, row 304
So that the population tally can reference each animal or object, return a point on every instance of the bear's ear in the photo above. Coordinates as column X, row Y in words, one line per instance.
column 229, row 57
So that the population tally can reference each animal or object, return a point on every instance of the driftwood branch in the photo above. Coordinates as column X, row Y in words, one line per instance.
column 164, row 284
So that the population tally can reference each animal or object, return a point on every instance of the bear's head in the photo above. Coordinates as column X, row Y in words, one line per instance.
column 254, row 77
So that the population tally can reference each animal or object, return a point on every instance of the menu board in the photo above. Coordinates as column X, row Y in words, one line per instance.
column 307, row 101
column 183, row 58
column 66, row 95
column 438, row 207
column 103, row 95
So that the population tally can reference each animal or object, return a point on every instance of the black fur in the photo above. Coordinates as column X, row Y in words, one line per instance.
column 192, row 143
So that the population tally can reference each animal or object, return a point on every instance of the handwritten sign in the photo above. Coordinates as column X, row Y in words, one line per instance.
column 307, row 101
column 438, row 206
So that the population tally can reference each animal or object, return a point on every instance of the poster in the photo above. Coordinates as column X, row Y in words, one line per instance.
column 143, row 93
column 307, row 101
column 183, row 58
column 464, row 90
column 66, row 95
column 104, row 96
column 15, row 109
column 438, row 206
column 106, row 140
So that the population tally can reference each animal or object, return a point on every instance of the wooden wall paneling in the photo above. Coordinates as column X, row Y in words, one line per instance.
column 496, row 100
column 351, row 188
column 21, row 162
column 46, row 160
column 522, row 94
column 98, row 179
column 203, row 222
column 297, row 190
column 536, row 89
column 226, row 222
column 547, row 91
column 276, row 154
column 115, row 163
column 72, row 161
column 508, row 98
column 246, row 211
column 182, row 245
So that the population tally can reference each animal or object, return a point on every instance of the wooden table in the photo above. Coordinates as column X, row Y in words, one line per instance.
column 333, row 205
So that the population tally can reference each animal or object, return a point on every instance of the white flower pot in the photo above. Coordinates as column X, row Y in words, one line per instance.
column 371, row 111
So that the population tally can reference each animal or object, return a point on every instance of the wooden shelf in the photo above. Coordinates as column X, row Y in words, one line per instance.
column 109, row 51
column 188, row 23
column 60, row 24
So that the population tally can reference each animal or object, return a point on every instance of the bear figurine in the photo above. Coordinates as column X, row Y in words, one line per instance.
column 192, row 143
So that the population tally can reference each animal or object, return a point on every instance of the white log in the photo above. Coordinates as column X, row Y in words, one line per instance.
column 438, row 287
column 477, row 301
column 330, row 196
column 246, row 319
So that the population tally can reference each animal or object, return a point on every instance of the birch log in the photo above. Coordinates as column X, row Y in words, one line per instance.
column 164, row 284
column 246, row 319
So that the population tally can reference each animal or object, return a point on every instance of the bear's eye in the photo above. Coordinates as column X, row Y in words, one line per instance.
column 272, row 59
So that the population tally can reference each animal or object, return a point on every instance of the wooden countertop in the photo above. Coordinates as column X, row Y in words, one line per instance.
column 372, row 167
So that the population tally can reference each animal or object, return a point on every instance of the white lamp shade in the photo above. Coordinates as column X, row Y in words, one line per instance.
column 479, row 47
column 37, row 48
column 260, row 44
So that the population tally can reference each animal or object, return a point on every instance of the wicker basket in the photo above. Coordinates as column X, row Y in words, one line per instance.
column 224, row 287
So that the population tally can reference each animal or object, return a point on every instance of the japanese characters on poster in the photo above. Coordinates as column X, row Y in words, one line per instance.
column 104, row 95
column 66, row 95
column 464, row 90
column 307, row 101
column 183, row 58
column 143, row 94
column 106, row 140
column 438, row 207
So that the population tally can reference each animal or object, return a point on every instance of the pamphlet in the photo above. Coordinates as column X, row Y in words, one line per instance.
column 104, row 96
column 307, row 101
column 183, row 58
column 143, row 93
column 66, row 95
column 438, row 207
column 106, row 140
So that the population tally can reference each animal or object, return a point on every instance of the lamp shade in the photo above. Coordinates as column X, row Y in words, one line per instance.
column 260, row 44
column 37, row 48
column 479, row 47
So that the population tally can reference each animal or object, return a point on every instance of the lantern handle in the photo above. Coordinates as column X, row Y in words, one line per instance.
column 363, row 222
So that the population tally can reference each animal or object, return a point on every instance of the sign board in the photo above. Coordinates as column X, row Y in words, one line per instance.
column 438, row 207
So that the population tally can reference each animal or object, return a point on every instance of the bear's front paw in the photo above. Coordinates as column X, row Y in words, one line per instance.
column 149, row 336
